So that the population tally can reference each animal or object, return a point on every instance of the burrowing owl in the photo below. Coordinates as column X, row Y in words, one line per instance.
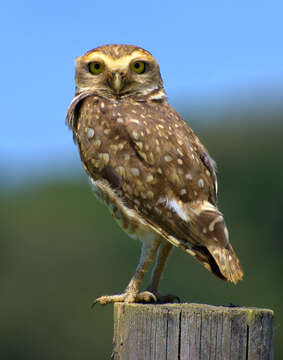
column 147, row 165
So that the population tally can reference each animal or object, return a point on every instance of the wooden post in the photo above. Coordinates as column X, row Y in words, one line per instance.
column 191, row 332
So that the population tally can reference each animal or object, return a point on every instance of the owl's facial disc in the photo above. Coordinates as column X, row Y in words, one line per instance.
column 134, row 73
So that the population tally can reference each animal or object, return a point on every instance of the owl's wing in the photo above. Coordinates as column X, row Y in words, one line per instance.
column 73, row 111
column 180, row 194
column 178, row 179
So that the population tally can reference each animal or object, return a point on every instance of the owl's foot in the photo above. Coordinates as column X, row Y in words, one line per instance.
column 163, row 299
column 127, row 297
column 142, row 297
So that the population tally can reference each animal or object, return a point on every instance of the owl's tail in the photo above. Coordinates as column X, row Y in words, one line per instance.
column 228, row 262
column 221, row 261
column 213, row 249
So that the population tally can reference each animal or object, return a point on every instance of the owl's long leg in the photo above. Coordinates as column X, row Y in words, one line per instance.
column 163, row 252
column 131, row 293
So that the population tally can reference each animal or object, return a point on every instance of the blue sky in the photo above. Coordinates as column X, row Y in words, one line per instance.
column 206, row 49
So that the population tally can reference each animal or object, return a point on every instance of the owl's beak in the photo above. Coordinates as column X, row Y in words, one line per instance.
column 117, row 83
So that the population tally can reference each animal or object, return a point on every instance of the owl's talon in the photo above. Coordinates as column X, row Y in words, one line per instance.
column 93, row 304
column 147, row 297
column 163, row 299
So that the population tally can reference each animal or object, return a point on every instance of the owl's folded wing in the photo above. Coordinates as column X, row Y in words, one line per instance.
column 180, row 196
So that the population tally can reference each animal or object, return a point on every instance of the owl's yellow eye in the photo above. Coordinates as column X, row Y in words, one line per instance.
column 138, row 67
column 95, row 67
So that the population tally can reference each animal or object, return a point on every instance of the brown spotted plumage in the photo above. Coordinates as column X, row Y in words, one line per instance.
column 147, row 165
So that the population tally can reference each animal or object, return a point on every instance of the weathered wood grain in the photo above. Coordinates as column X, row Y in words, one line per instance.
column 192, row 332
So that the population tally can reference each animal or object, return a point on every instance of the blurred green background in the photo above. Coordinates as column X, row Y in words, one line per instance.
column 60, row 248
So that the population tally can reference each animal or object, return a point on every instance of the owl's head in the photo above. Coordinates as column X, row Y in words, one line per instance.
column 118, row 71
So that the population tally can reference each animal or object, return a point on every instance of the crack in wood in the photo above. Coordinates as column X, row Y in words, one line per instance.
column 247, row 342
column 167, row 334
column 180, row 336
